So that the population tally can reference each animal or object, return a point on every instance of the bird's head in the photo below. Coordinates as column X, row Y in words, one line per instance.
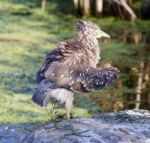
column 88, row 28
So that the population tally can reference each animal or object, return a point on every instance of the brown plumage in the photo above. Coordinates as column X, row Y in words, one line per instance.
column 71, row 68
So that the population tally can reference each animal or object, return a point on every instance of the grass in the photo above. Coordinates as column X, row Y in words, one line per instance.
column 26, row 35
column 18, row 108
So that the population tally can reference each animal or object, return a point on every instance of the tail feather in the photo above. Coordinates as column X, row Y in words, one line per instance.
column 42, row 93
column 40, row 98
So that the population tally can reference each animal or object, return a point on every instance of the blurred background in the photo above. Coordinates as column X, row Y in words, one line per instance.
column 31, row 28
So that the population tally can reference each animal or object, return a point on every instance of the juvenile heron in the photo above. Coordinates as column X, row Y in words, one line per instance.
column 71, row 68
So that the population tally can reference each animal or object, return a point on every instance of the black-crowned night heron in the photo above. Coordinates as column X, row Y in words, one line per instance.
column 71, row 68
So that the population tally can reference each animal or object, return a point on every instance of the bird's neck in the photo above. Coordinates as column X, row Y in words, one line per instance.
column 91, row 45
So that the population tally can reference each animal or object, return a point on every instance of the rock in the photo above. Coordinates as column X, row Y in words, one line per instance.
column 14, row 133
column 132, row 126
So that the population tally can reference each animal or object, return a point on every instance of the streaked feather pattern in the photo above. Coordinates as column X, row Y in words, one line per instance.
column 72, row 68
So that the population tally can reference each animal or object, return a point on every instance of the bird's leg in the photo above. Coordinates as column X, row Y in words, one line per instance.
column 53, row 111
column 68, row 106
column 70, row 126
column 53, row 108
column 68, row 114
column 54, row 118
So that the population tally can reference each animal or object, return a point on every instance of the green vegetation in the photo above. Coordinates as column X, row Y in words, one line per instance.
column 26, row 35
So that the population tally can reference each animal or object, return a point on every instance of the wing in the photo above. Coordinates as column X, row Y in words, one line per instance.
column 51, row 57
column 69, row 67
column 93, row 79
column 59, row 65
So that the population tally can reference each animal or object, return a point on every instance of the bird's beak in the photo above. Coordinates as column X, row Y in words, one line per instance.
column 103, row 34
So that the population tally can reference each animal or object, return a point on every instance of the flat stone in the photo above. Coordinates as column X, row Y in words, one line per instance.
column 131, row 126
